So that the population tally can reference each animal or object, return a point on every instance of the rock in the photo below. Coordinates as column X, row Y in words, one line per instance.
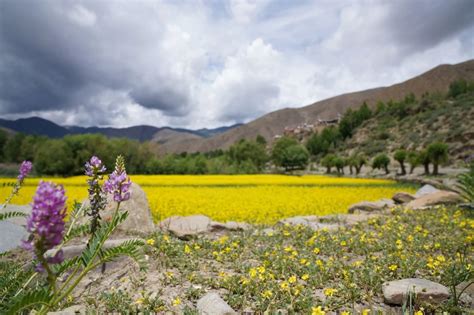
column 75, row 250
column 139, row 215
column 213, row 304
column 402, row 197
column 310, row 221
column 185, row 227
column 72, row 310
column 11, row 235
column 230, row 226
column 395, row 292
column 370, row 206
column 441, row 197
column 425, row 190
column 467, row 297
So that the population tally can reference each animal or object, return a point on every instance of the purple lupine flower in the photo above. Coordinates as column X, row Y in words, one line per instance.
column 97, row 197
column 119, row 183
column 46, row 222
column 94, row 166
column 25, row 169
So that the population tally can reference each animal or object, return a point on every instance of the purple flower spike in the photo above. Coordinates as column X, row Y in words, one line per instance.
column 25, row 169
column 119, row 183
column 46, row 222
column 94, row 166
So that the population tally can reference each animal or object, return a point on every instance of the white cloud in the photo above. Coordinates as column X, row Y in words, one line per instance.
column 202, row 64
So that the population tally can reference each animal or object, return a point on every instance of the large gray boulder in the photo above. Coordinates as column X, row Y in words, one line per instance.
column 139, row 215
column 395, row 292
column 371, row 206
column 213, row 304
column 425, row 190
column 185, row 227
column 12, row 231
column 441, row 197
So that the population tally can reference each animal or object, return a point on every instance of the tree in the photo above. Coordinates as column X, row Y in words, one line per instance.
column 328, row 162
column 381, row 161
column 295, row 157
column 359, row 161
column 3, row 141
column 279, row 148
column 245, row 151
column 400, row 156
column 54, row 157
column 438, row 154
column 261, row 140
column 339, row 163
column 413, row 159
column 12, row 149
column 424, row 159
column 316, row 145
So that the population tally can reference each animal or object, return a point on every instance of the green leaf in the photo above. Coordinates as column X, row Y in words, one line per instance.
column 65, row 265
column 130, row 248
column 11, row 214
column 29, row 300
column 79, row 230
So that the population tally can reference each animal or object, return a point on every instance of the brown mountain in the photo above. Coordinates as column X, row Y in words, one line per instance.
column 274, row 123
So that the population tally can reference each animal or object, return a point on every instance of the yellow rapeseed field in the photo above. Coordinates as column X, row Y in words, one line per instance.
column 250, row 198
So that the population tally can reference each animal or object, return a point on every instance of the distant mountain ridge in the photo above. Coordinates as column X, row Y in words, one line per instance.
column 43, row 127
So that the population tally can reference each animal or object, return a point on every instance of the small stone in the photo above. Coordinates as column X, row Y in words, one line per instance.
column 72, row 310
column 402, row 197
column 370, row 206
column 395, row 292
column 185, row 227
column 425, row 190
column 441, row 197
column 213, row 304
column 310, row 221
column 230, row 226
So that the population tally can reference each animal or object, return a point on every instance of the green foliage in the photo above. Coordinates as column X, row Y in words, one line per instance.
column 29, row 299
column 328, row 162
column 424, row 159
column 54, row 157
column 289, row 154
column 11, row 214
column 261, row 140
column 438, row 154
column 3, row 141
column 248, row 152
column 414, row 160
column 381, row 161
column 339, row 163
column 466, row 184
column 12, row 277
column 12, row 148
column 353, row 119
column 460, row 87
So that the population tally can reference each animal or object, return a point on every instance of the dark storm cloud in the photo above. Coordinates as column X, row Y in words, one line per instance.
column 49, row 62
column 423, row 23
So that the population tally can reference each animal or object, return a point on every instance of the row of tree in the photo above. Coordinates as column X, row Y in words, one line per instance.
column 435, row 154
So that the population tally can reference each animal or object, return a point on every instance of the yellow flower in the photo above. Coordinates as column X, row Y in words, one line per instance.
column 305, row 277
column 316, row 250
column 150, row 241
column 139, row 301
column 187, row 249
column 267, row 294
column 176, row 301
column 317, row 311
column 343, row 243
column 393, row 267
column 253, row 272
column 366, row 311
column 292, row 279
column 345, row 313
column 418, row 313
column 284, row 285
column 329, row 291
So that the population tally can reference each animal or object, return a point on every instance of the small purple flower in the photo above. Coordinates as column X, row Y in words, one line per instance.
column 94, row 166
column 119, row 183
column 25, row 169
column 46, row 222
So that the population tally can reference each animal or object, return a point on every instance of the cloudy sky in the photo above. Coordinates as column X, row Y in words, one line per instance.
column 206, row 63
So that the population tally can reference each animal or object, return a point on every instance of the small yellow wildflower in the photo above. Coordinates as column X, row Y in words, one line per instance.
column 139, row 301
column 366, row 311
column 345, row 313
column 393, row 267
column 317, row 311
column 292, row 279
column 176, row 301
column 305, row 277
column 329, row 291
column 284, row 285
column 267, row 294
column 316, row 250
column 150, row 241
column 343, row 243
column 187, row 249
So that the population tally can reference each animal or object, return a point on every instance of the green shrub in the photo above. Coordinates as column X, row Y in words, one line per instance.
column 438, row 154
column 381, row 161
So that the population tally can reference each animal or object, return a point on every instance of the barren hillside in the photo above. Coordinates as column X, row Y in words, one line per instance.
column 437, row 79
